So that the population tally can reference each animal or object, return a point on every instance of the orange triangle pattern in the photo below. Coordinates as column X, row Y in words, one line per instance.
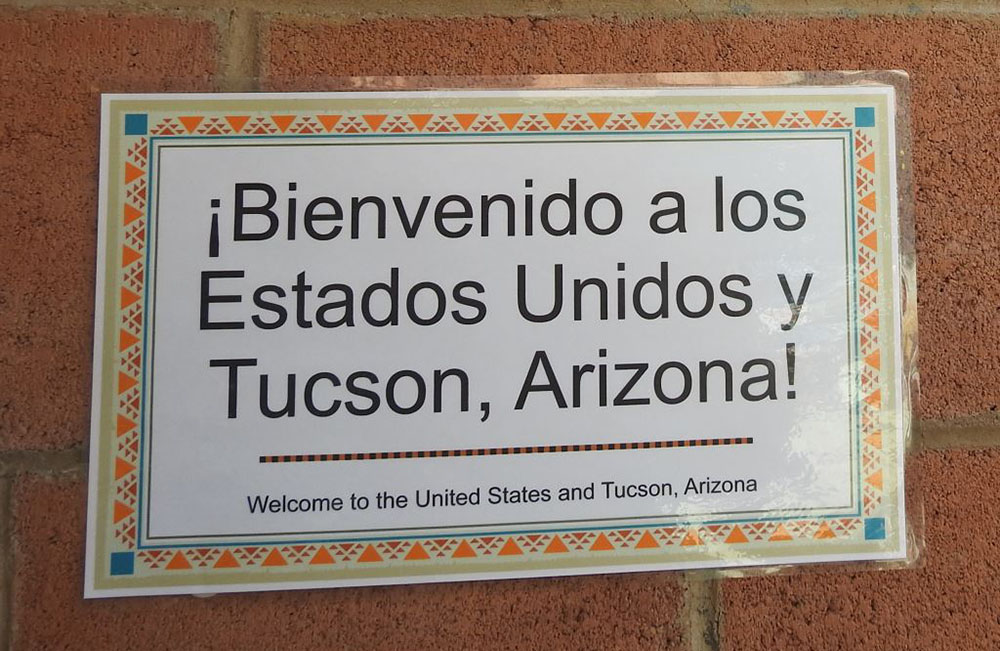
column 868, row 162
column 868, row 201
column 128, row 297
column 875, row 399
column 417, row 553
column 780, row 534
column 872, row 319
column 730, row 117
column 816, row 117
column 687, row 117
column 226, row 560
column 122, row 511
column 647, row 542
column 736, row 536
column 132, row 172
column 370, row 555
column 824, row 532
column 599, row 119
column 122, row 467
column 282, row 121
column 602, row 544
column 643, row 118
column 322, row 557
column 126, row 340
column 191, row 122
column 875, row 479
column 511, row 119
column 871, row 280
column 274, row 559
column 556, row 546
column 466, row 119
column 873, row 360
column 773, row 117
column 510, row 548
column 875, row 440
column 178, row 562
column 555, row 119
column 124, row 425
column 131, row 214
column 237, row 122
column 374, row 121
column 129, row 255
column 871, row 240
column 691, row 538
column 125, row 382
column 328, row 121
column 419, row 120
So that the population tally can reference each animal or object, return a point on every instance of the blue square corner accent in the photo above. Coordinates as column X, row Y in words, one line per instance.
column 864, row 116
column 122, row 563
column 874, row 528
column 136, row 124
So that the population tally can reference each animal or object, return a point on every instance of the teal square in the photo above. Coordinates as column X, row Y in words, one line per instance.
column 136, row 124
column 874, row 528
column 864, row 116
column 122, row 563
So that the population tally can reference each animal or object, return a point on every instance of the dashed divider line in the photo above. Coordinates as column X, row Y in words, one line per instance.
column 489, row 452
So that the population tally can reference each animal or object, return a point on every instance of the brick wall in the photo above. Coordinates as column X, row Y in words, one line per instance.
column 54, row 60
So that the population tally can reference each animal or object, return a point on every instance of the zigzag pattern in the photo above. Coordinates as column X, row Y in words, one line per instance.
column 526, row 122
column 869, row 293
column 633, row 542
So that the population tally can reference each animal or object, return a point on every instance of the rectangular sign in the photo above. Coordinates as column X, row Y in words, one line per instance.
column 387, row 337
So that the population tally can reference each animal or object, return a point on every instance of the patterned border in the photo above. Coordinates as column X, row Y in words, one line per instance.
column 390, row 123
column 126, row 559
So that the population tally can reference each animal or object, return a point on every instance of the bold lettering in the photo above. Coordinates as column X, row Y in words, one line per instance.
column 551, row 384
column 205, row 323
column 241, row 210
column 233, row 382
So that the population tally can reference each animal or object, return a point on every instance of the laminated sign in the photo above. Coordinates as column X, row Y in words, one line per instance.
column 407, row 336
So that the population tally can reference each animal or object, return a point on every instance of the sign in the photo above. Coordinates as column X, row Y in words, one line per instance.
column 391, row 337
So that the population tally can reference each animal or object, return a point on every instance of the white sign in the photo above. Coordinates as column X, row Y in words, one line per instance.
column 396, row 337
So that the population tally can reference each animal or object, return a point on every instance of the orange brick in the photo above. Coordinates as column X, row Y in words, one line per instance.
column 53, row 65
column 956, row 88
column 945, row 604
column 635, row 611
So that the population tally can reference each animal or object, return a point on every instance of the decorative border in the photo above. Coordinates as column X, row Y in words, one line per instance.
column 527, row 122
column 464, row 554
